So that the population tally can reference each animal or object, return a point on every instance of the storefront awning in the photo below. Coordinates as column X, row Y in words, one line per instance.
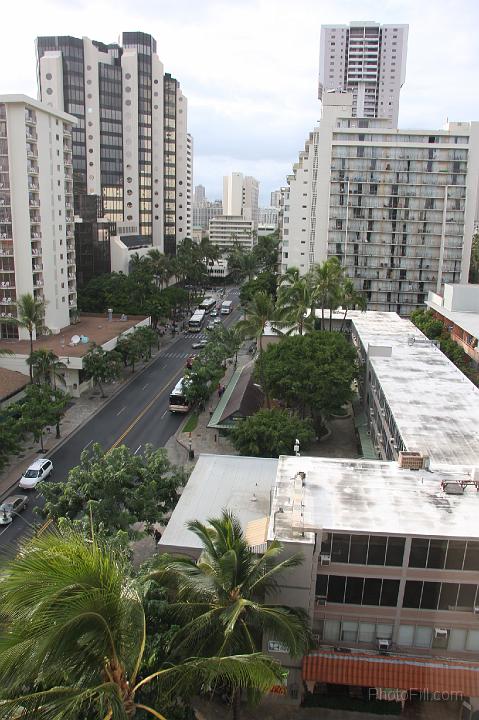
column 392, row 671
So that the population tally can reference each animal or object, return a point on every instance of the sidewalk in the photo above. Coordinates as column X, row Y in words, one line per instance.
column 79, row 412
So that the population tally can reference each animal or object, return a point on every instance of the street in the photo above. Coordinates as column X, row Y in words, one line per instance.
column 136, row 416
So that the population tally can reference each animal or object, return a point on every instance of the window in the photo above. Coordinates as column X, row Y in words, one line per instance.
column 377, row 550
column 419, row 546
column 340, row 551
column 331, row 630
column 336, row 586
column 372, row 591
column 395, row 551
column 367, row 632
column 455, row 554
column 389, row 593
column 406, row 635
column 423, row 637
column 359, row 544
column 472, row 642
column 471, row 560
column 457, row 639
column 412, row 594
column 354, row 590
column 437, row 553
column 467, row 595
column 349, row 631
column 430, row 595
column 448, row 596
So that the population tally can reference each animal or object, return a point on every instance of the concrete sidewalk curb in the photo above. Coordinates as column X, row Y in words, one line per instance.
column 4, row 491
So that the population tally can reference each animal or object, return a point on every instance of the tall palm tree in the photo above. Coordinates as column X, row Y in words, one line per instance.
column 350, row 298
column 47, row 367
column 258, row 311
column 73, row 638
column 295, row 301
column 327, row 279
column 160, row 264
column 221, row 602
column 30, row 316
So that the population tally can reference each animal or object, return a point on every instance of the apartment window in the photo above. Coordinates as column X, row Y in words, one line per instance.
column 340, row 549
column 336, row 588
column 377, row 550
column 359, row 549
column 372, row 591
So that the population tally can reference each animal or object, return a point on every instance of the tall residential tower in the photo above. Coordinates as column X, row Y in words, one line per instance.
column 368, row 60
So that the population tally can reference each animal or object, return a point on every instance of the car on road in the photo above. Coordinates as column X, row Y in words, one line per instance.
column 210, row 326
column 39, row 470
column 214, row 313
column 217, row 321
column 11, row 506
column 199, row 344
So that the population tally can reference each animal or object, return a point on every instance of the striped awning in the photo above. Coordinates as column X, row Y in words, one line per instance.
column 392, row 671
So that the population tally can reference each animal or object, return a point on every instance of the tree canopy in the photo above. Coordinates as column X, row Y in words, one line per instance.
column 271, row 433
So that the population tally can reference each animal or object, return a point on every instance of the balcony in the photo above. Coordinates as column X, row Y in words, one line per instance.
column 67, row 159
column 37, row 268
column 32, row 169
column 35, row 220
column 33, row 203
column 30, row 135
column 7, row 300
column 30, row 118
column 5, row 201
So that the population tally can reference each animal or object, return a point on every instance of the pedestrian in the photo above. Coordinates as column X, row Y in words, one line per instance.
column 157, row 535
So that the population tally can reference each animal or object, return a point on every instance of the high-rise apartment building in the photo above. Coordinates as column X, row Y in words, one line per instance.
column 276, row 199
column 204, row 211
column 199, row 194
column 129, row 146
column 368, row 60
column 396, row 207
column 240, row 196
column 37, row 250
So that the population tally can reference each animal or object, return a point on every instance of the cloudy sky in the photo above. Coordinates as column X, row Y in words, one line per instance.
column 249, row 67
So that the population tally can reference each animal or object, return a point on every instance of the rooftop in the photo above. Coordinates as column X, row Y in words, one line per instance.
column 464, row 314
column 435, row 407
column 38, row 105
column 386, row 500
column 11, row 382
column 242, row 484
column 97, row 328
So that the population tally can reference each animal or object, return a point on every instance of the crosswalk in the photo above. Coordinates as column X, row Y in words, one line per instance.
column 177, row 355
column 195, row 336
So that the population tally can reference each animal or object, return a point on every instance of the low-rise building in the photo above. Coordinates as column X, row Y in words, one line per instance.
column 458, row 310
column 230, row 230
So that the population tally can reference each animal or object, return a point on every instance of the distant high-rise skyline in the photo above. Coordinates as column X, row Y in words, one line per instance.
column 368, row 60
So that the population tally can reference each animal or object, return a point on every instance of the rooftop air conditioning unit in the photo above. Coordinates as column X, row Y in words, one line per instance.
column 440, row 633
column 384, row 645
column 325, row 559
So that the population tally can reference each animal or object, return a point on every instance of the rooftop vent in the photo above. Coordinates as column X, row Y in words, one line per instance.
column 410, row 460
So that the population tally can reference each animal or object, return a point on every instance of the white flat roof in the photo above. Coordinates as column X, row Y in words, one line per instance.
column 468, row 321
column 218, row 482
column 38, row 105
column 368, row 496
column 435, row 407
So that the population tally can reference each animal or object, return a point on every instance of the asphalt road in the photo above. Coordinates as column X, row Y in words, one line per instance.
column 137, row 415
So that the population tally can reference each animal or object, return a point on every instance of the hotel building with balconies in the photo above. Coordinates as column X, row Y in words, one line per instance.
column 37, row 246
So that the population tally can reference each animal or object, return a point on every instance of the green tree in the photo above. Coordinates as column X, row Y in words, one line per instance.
column 160, row 265
column 264, row 282
column 74, row 636
column 42, row 406
column 327, row 282
column 11, row 433
column 474, row 266
column 266, row 252
column 258, row 312
column 47, row 368
column 271, row 433
column 224, row 602
column 101, row 366
column 30, row 316
column 350, row 299
column 295, row 300
column 312, row 373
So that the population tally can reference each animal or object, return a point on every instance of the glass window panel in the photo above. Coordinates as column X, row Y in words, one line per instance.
column 336, row 588
column 326, row 543
column 457, row 639
column 437, row 553
column 455, row 554
column 331, row 630
column 467, row 595
column 418, row 555
column 359, row 549
column 321, row 584
column 340, row 551
column 412, row 594
column 354, row 590
column 349, row 631
column 423, row 637
column 389, row 593
column 377, row 549
column 471, row 561
column 406, row 635
column 384, row 631
column 472, row 642
column 430, row 595
column 372, row 591
column 448, row 596
column 367, row 632
column 395, row 551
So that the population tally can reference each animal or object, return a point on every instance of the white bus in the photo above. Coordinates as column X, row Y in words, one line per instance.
column 207, row 304
column 226, row 307
column 196, row 321
column 177, row 401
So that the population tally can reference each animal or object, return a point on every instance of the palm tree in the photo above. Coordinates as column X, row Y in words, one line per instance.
column 326, row 280
column 160, row 265
column 47, row 367
column 221, row 601
column 30, row 316
column 74, row 633
column 350, row 298
column 295, row 301
column 258, row 311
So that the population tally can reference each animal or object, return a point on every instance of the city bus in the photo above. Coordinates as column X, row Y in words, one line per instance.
column 207, row 304
column 177, row 401
column 196, row 321
column 226, row 307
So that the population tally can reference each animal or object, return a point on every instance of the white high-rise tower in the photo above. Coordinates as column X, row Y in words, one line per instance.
column 368, row 60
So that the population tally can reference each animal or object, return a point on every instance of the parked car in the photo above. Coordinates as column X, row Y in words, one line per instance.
column 39, row 470
column 11, row 506
column 199, row 344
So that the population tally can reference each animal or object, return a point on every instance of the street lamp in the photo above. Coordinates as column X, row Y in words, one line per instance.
column 296, row 447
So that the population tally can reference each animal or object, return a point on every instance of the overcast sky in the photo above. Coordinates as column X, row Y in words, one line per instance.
column 249, row 67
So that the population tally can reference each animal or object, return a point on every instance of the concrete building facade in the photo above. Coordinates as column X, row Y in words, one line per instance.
column 397, row 207
column 458, row 310
column 368, row 60
column 37, row 249
column 228, row 231
column 204, row 210
column 131, row 128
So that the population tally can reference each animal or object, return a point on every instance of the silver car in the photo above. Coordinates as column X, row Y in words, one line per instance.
column 11, row 507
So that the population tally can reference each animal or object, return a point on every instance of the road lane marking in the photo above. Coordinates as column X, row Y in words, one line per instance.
column 139, row 446
column 164, row 414
column 88, row 444
column 145, row 410
column 120, row 411
column 145, row 386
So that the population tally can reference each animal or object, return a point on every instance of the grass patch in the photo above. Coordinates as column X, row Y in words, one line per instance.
column 192, row 423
